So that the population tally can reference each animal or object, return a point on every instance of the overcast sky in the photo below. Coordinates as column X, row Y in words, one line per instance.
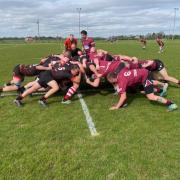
column 100, row 17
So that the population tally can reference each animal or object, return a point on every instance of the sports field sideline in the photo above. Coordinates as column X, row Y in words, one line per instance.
column 138, row 142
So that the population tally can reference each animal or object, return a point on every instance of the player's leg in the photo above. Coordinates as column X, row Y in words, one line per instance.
column 53, row 89
column 166, row 77
column 32, row 89
column 149, row 91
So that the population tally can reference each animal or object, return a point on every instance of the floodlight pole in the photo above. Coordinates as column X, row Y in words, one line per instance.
column 38, row 28
column 174, row 22
column 79, row 12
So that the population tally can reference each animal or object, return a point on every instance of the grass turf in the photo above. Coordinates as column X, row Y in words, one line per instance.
column 138, row 142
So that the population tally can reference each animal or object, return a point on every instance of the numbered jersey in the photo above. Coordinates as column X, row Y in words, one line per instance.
column 106, row 67
column 60, row 72
column 130, row 78
column 87, row 44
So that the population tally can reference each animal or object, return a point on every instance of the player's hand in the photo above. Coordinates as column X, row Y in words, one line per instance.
column 88, row 80
column 99, row 75
column 113, row 108
column 97, row 68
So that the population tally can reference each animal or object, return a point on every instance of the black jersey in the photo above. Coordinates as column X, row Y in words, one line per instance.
column 60, row 72
column 28, row 70
column 49, row 60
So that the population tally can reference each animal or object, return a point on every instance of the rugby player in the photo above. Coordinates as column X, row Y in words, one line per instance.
column 50, row 79
column 129, row 78
column 160, row 43
column 159, row 71
column 143, row 42
column 69, row 41
column 87, row 42
column 19, row 73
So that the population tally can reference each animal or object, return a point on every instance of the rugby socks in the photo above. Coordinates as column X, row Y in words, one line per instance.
column 21, row 89
column 70, row 93
column 179, row 82
column 1, row 89
column 168, row 103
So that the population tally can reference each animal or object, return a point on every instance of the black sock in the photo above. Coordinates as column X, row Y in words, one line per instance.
column 21, row 89
column 19, row 98
column 8, row 84
column 43, row 99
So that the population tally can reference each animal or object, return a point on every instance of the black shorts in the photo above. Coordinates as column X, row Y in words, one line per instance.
column 159, row 64
column 44, row 78
column 17, row 73
column 148, row 84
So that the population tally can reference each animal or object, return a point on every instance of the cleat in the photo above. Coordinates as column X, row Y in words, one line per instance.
column 164, row 92
column 172, row 107
column 66, row 101
column 18, row 103
column 42, row 103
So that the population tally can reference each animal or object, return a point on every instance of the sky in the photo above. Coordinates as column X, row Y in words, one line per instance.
column 18, row 18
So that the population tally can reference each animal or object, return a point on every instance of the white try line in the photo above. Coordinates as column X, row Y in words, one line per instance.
column 89, row 119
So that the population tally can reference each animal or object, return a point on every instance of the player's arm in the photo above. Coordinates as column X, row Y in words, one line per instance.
column 149, row 63
column 80, row 65
column 93, row 43
column 121, row 101
column 94, row 83
column 42, row 68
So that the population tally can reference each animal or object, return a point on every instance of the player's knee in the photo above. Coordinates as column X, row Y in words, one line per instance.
column 56, row 87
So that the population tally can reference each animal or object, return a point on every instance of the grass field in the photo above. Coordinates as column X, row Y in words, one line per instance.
column 141, row 141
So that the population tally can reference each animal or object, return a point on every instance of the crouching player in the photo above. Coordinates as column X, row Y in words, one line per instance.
column 50, row 79
column 129, row 78
column 19, row 73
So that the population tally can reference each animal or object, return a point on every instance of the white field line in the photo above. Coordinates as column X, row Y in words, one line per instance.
column 16, row 94
column 89, row 119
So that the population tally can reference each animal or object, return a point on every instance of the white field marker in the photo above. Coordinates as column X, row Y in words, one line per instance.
column 89, row 119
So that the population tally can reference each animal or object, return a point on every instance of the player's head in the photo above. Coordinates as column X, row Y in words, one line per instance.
column 93, row 50
column 112, row 77
column 75, row 70
column 71, row 37
column 83, row 34
column 67, row 54
column 73, row 46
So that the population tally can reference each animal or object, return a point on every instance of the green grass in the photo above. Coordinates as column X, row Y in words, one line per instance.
column 139, row 142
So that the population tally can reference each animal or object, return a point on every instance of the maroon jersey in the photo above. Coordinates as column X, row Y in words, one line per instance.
column 129, row 78
column 143, row 41
column 29, row 70
column 160, row 42
column 106, row 67
column 87, row 44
